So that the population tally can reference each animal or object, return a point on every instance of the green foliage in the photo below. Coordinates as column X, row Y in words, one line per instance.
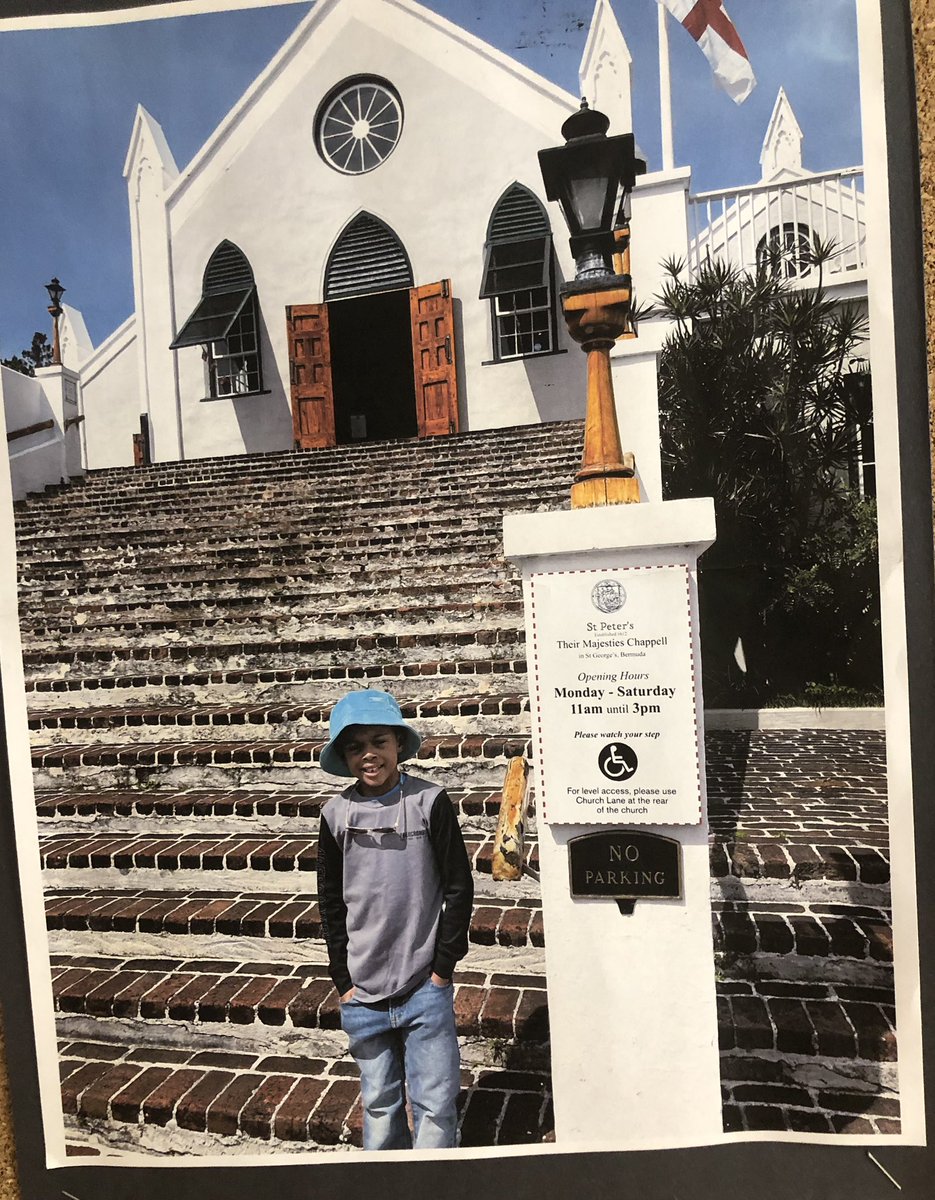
column 758, row 409
column 39, row 354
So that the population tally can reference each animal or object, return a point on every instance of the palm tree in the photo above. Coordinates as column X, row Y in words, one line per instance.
column 759, row 409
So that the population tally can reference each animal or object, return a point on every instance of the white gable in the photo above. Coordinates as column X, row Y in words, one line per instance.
column 148, row 144
column 782, row 145
column 76, row 344
column 604, row 73
column 441, row 44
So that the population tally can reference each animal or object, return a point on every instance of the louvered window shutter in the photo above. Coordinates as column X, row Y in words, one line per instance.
column 367, row 258
column 227, row 289
column 518, row 250
column 227, row 271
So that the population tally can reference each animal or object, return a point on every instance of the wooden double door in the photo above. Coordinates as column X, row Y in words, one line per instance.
column 317, row 378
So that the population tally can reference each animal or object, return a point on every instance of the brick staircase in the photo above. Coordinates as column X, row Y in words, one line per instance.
column 186, row 629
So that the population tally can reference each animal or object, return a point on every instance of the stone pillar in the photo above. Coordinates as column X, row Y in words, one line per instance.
column 615, row 678
column 61, row 389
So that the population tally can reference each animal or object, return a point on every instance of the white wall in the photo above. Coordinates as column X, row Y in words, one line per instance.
column 39, row 459
column 109, row 389
column 149, row 171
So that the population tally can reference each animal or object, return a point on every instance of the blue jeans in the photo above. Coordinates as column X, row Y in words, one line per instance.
column 407, row 1044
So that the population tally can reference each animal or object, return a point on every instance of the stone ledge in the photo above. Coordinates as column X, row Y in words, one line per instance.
column 795, row 718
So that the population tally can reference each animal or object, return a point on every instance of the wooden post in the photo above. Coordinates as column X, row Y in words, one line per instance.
column 622, row 267
column 622, row 250
column 508, row 843
column 607, row 476
column 55, row 312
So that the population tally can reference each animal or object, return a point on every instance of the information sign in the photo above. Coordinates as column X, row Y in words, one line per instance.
column 614, row 695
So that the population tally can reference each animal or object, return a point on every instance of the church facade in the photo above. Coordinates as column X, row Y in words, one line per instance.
column 363, row 249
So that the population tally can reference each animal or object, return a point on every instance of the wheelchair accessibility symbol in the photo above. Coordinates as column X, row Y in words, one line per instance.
column 617, row 761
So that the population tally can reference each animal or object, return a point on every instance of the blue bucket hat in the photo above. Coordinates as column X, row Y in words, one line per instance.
column 368, row 707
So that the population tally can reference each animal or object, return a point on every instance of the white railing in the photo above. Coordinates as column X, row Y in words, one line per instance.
column 744, row 224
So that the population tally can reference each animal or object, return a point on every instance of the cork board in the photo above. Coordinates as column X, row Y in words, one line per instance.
column 924, row 49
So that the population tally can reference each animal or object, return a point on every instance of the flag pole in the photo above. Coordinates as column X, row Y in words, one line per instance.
column 665, row 92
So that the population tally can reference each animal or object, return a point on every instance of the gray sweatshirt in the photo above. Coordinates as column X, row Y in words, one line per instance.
column 394, row 905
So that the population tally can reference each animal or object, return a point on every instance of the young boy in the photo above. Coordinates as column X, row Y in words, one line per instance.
column 395, row 894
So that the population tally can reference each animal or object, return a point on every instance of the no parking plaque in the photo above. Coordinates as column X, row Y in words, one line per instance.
column 616, row 710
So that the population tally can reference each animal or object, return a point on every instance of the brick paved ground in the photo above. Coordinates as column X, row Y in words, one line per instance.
column 802, row 930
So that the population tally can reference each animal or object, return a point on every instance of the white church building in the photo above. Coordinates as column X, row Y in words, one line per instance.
column 363, row 249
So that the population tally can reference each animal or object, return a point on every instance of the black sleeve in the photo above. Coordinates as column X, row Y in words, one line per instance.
column 331, row 906
column 457, row 886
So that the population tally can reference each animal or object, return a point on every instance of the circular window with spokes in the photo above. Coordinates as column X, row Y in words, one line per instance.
column 359, row 125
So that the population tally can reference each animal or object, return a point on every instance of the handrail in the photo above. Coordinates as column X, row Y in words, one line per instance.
column 28, row 429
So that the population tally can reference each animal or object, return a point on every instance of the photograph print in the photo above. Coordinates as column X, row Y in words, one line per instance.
column 304, row 347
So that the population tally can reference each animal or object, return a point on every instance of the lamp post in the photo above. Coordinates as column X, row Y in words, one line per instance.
column 56, row 291
column 591, row 177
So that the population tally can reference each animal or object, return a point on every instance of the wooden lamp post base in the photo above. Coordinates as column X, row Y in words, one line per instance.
column 595, row 320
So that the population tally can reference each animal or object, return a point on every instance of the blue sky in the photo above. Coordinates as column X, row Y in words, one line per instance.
column 68, row 96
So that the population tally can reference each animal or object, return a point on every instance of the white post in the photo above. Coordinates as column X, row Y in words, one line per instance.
column 614, row 662
column 665, row 92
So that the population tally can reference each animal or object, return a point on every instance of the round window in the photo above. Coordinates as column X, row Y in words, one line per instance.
column 359, row 126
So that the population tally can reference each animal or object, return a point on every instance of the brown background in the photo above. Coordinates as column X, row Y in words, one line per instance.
column 923, row 20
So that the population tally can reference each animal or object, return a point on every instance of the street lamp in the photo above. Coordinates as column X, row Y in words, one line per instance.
column 591, row 177
column 56, row 291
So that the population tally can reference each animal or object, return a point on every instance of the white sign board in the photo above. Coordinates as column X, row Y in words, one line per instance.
column 614, row 699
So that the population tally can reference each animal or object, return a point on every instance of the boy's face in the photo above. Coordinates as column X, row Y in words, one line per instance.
column 372, row 756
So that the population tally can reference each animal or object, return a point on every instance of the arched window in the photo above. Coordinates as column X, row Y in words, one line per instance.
column 368, row 257
column 786, row 250
column 225, row 324
column 518, row 277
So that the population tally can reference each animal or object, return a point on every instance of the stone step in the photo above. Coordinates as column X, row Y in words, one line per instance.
column 385, row 462
column 244, row 722
column 296, row 685
column 192, row 560
column 446, row 455
column 341, row 511
column 314, row 480
column 253, row 481
column 273, row 860
column 471, row 760
column 162, row 579
column 271, row 653
column 194, row 803
column 832, row 932
column 323, row 516
column 338, row 533
column 843, row 937
column 811, row 859
column 260, row 622
column 298, row 996
column 200, row 1101
column 811, row 1057
column 344, row 578
column 235, row 598
column 277, row 472
column 496, row 921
